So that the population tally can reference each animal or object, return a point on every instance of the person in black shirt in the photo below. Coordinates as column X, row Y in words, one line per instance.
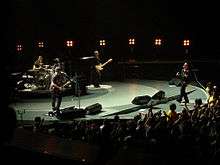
column 59, row 81
column 95, row 77
column 96, row 69
column 57, row 63
column 184, row 76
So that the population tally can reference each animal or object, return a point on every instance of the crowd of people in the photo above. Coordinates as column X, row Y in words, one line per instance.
column 192, row 135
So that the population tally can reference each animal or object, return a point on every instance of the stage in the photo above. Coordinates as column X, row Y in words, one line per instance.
column 114, row 96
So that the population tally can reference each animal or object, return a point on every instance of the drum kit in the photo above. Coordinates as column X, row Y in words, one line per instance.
column 35, row 79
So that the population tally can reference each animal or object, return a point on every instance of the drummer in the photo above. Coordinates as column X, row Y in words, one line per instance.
column 38, row 64
column 41, row 72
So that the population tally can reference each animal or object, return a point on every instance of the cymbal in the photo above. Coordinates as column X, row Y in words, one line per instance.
column 87, row 58
column 15, row 73
column 32, row 70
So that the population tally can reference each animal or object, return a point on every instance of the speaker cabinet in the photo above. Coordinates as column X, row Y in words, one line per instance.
column 140, row 100
column 93, row 109
column 71, row 112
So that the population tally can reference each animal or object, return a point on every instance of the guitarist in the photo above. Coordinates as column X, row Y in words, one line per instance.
column 96, row 69
column 58, row 81
column 184, row 76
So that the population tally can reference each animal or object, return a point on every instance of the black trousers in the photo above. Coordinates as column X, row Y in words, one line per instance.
column 95, row 78
column 183, row 93
column 56, row 101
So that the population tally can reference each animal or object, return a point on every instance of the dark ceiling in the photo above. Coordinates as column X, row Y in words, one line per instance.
column 88, row 19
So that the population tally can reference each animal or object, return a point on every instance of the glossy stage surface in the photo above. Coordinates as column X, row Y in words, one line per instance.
column 114, row 96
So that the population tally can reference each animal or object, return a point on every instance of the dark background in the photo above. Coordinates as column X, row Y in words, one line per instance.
column 87, row 21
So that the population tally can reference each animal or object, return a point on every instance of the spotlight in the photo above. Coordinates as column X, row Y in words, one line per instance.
column 131, row 41
column 40, row 44
column 19, row 47
column 70, row 43
column 102, row 42
column 186, row 43
column 158, row 42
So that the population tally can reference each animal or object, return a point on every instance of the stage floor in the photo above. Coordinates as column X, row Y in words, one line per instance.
column 114, row 96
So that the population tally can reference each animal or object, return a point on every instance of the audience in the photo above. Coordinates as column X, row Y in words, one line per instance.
column 190, row 136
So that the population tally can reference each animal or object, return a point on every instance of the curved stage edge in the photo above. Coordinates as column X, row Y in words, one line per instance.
column 114, row 96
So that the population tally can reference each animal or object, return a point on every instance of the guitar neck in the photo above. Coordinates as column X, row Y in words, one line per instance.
column 67, row 83
column 102, row 65
column 105, row 63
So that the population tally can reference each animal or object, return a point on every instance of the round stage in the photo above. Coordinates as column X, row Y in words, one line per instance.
column 113, row 96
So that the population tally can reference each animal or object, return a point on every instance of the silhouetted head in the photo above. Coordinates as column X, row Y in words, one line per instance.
column 198, row 102
column 172, row 106
column 96, row 52
column 185, row 65
column 56, row 60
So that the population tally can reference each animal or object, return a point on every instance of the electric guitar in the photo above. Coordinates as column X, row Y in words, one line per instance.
column 58, row 89
column 99, row 67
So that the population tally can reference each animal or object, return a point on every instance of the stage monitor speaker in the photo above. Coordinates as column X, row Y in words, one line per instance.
column 140, row 100
column 93, row 109
column 159, row 95
column 71, row 112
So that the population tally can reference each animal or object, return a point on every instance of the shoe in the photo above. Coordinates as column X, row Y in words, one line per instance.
column 51, row 113
column 58, row 112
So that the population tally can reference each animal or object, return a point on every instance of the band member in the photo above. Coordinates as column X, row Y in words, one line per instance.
column 38, row 64
column 96, row 69
column 184, row 76
column 39, row 73
column 57, row 63
column 59, row 81
column 42, row 73
column 96, row 74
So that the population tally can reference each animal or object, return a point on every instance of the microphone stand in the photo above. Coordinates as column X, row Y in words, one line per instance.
column 77, row 89
column 189, row 60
